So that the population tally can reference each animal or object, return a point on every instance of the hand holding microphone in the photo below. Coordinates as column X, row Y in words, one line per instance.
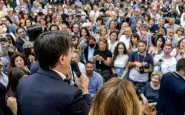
column 82, row 80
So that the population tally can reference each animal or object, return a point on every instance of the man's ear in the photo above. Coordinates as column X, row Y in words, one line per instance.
column 62, row 59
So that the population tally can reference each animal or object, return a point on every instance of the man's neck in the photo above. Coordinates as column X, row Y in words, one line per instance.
column 142, row 53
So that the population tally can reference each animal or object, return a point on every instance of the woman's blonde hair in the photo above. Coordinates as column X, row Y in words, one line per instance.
column 116, row 97
column 158, row 74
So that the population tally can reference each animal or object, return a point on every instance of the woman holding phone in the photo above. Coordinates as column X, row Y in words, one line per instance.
column 103, row 59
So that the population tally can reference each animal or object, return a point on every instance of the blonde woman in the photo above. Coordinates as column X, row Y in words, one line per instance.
column 119, row 98
column 149, row 92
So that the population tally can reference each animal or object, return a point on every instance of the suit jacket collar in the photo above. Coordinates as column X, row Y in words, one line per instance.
column 50, row 73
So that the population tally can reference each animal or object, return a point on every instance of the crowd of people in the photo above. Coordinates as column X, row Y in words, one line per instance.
column 140, row 41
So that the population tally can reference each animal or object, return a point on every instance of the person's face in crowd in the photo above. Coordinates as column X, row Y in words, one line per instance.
column 171, row 33
column 83, row 32
column 118, row 4
column 19, row 62
column 28, row 23
column 141, row 47
column 75, row 57
column 4, row 29
column 121, row 49
column 75, row 28
column 58, row 19
column 1, row 31
column 161, row 32
column 1, row 4
column 112, row 25
column 124, row 25
column 4, row 21
column 48, row 19
column 89, row 27
column 180, row 32
column 99, row 22
column 182, row 44
column 146, row 18
column 159, row 42
column 134, row 40
column 38, row 19
column 127, row 32
column 21, row 33
column 92, row 42
column 172, row 21
column 10, row 12
column 113, row 36
column 95, row 7
column 25, row 15
column 42, row 22
column 75, row 41
column 109, row 1
column 1, row 66
column 136, row 13
column 151, row 22
column 111, row 8
column 54, row 28
column 139, row 23
column 64, row 27
column 50, row 11
column 102, row 46
column 103, row 31
column 161, row 22
column 155, row 80
column 89, row 68
column 167, row 49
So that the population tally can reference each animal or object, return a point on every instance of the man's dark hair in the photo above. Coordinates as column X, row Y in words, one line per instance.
column 180, row 64
column 141, row 41
column 54, row 25
column 89, row 62
column 50, row 46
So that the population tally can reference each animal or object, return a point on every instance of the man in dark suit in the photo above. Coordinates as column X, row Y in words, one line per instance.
column 172, row 92
column 21, row 39
column 46, row 92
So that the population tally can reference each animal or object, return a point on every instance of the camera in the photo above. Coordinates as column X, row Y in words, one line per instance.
column 161, row 60
column 144, row 66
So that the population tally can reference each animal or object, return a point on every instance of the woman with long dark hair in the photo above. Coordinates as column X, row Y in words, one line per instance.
column 120, row 60
column 15, row 75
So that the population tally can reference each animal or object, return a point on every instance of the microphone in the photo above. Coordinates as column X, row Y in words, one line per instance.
column 75, row 68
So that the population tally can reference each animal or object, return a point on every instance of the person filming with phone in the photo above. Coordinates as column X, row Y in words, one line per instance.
column 46, row 92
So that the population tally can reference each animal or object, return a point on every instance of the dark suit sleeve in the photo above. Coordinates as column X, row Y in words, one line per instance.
column 80, row 104
column 19, row 47
column 163, row 94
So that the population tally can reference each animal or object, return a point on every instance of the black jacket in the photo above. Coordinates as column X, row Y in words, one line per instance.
column 171, row 99
column 45, row 93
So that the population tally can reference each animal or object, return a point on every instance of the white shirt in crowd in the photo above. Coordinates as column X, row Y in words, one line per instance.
column 121, row 61
column 125, row 40
column 112, row 46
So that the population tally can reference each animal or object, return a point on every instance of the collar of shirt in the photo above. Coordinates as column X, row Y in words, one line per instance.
column 61, row 74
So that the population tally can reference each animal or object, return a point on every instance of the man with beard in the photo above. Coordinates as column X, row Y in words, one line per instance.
column 95, row 79
column 140, row 64
column 22, row 38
